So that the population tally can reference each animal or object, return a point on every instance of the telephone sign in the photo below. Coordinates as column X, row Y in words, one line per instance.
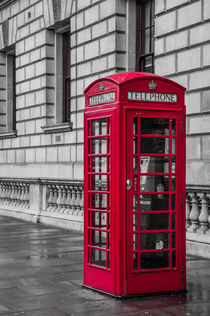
column 134, row 185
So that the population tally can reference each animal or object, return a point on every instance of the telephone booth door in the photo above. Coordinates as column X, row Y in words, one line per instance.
column 154, row 198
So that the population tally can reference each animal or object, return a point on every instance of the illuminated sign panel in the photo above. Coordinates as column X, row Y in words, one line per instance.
column 102, row 98
column 152, row 96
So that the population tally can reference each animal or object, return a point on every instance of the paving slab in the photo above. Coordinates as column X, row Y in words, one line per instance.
column 41, row 271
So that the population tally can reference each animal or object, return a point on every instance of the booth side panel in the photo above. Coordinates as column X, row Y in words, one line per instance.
column 100, row 209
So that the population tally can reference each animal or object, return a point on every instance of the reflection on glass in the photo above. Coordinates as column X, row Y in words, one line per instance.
column 173, row 127
column 173, row 146
column 154, row 241
column 154, row 221
column 99, row 164
column 152, row 202
column 99, row 201
column 135, row 242
column 98, row 238
column 146, row 63
column 99, row 182
column 135, row 145
column 173, row 202
column 155, row 126
column 99, row 146
column 154, row 260
column 173, row 218
column 173, row 183
column 98, row 257
column 174, row 259
column 99, row 220
column 109, row 126
column 135, row 125
column 173, row 240
column 154, row 164
column 99, row 127
column 135, row 222
column 173, row 167
column 135, row 164
column 154, row 184
column 154, row 145
column 135, row 261
column 135, row 206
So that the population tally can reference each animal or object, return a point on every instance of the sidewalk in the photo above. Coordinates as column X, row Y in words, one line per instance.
column 41, row 274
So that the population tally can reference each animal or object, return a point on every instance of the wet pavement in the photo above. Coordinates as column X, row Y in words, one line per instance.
column 41, row 274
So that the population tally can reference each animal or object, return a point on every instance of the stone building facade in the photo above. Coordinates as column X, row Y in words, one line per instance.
column 50, row 51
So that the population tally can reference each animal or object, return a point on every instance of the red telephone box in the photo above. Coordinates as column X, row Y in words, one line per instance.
column 134, row 185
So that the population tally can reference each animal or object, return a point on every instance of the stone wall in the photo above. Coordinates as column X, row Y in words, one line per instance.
column 182, row 50
column 44, row 147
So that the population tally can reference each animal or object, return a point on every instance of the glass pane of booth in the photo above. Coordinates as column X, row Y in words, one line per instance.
column 154, row 260
column 152, row 183
column 154, row 126
column 153, row 202
column 155, row 241
column 154, row 164
column 154, row 221
column 99, row 142
column 154, row 177
column 154, row 145
column 99, row 127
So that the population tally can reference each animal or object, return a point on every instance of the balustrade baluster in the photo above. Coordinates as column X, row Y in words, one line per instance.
column 9, row 194
column 203, row 218
column 22, row 195
column 1, row 190
column 24, row 202
column 63, row 200
column 50, row 199
column 55, row 197
column 15, row 195
column 68, row 201
column 18, row 194
column 73, row 199
column 59, row 199
column 187, row 211
column 194, row 214
column 6, row 194
column 81, row 202
column 27, row 196
column 77, row 201
column 12, row 193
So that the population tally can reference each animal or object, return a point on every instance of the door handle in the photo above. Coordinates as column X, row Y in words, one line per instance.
column 128, row 184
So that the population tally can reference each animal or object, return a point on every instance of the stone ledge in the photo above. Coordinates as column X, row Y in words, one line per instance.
column 200, row 238
column 57, row 128
column 9, row 134
column 70, row 222
column 198, row 249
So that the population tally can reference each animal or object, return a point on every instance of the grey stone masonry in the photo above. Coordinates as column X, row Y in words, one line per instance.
column 44, row 147
column 182, row 50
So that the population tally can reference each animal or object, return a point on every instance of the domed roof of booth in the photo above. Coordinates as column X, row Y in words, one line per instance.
column 123, row 77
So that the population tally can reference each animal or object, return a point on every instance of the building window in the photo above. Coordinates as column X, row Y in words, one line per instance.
column 62, row 119
column 66, row 77
column 7, row 94
column 11, row 92
column 145, row 35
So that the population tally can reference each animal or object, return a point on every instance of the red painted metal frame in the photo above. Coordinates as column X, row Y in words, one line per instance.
column 119, row 278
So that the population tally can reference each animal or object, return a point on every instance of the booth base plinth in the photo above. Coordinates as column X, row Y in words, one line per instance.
column 132, row 296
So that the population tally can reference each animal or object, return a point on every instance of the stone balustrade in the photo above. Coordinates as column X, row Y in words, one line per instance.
column 54, row 202
column 65, row 199
column 16, row 194
column 197, row 210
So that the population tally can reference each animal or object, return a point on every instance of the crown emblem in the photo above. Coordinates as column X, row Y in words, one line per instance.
column 101, row 87
column 152, row 85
